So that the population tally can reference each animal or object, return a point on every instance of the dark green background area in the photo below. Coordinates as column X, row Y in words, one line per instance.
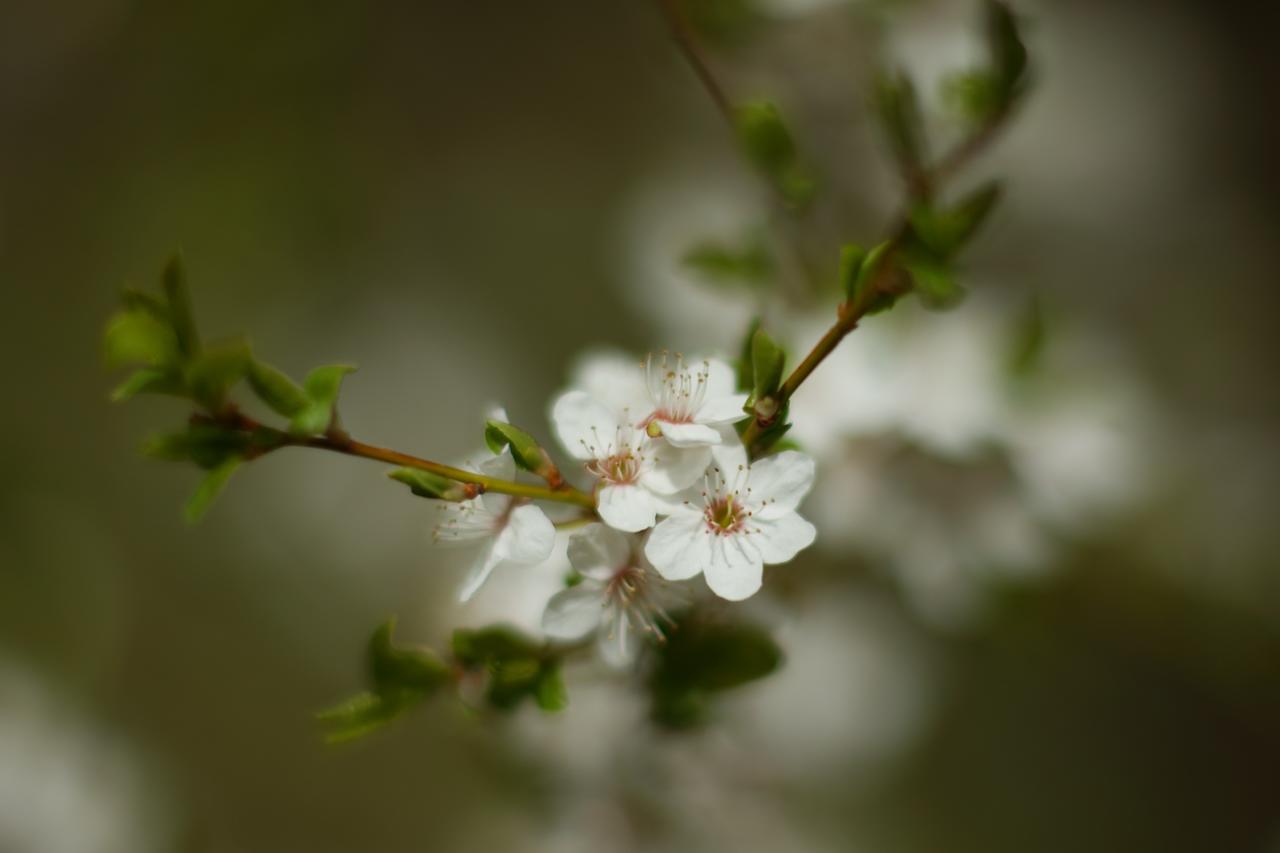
column 435, row 191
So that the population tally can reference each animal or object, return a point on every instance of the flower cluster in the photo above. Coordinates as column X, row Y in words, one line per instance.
column 673, row 488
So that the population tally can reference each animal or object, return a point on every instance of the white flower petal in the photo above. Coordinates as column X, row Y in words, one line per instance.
column 780, row 539
column 722, row 410
column 778, row 483
column 729, row 457
column 674, row 468
column 615, row 379
column 586, row 428
column 479, row 573
column 736, row 570
column 527, row 538
column 627, row 507
column 464, row 523
column 501, row 467
column 616, row 644
column 722, row 380
column 680, row 546
column 688, row 435
column 597, row 551
column 573, row 613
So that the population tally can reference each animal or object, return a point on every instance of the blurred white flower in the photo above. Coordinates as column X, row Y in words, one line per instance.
column 942, row 465
column 511, row 529
column 67, row 785
column 620, row 597
column 745, row 518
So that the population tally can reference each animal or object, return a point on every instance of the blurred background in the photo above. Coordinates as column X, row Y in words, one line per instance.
column 1042, row 612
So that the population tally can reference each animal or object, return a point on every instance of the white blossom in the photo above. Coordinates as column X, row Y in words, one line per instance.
column 645, row 434
column 744, row 519
column 632, row 471
column 511, row 529
column 620, row 597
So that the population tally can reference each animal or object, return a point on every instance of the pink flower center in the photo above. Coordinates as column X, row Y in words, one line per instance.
column 619, row 468
column 724, row 515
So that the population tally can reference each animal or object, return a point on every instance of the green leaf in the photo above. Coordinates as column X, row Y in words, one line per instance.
column 770, row 147
column 140, row 337
column 208, row 445
column 209, row 489
column 975, row 95
column 852, row 257
column 701, row 658
column 1008, row 53
column 899, row 111
column 718, row 656
column 180, row 315
column 524, row 449
column 211, row 374
column 149, row 380
column 400, row 668
column 550, row 693
column 321, row 387
column 323, row 384
column 870, row 272
column 425, row 484
column 281, row 394
column 933, row 281
column 750, row 264
column 743, row 369
column 767, row 360
column 944, row 232
column 361, row 715
column 1030, row 333
column 966, row 217
column 138, row 300
column 479, row 646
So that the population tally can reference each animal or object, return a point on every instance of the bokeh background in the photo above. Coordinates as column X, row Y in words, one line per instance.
column 461, row 198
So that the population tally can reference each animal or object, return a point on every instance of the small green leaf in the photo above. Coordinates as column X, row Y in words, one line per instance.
column 702, row 658
column 933, row 281
column 551, row 694
column 966, row 217
column 425, row 484
column 944, row 232
column 139, row 300
column 1030, row 333
column 478, row 646
column 974, row 95
column 743, row 369
column 360, row 715
column 277, row 390
column 208, row 445
column 323, row 384
column 750, row 264
column 873, row 268
column 524, row 449
column 321, row 387
column 180, row 314
column 211, row 374
column 209, row 489
column 767, row 360
column 149, row 380
column 139, row 337
column 1008, row 53
column 400, row 668
column 899, row 111
column 770, row 147
column 852, row 257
